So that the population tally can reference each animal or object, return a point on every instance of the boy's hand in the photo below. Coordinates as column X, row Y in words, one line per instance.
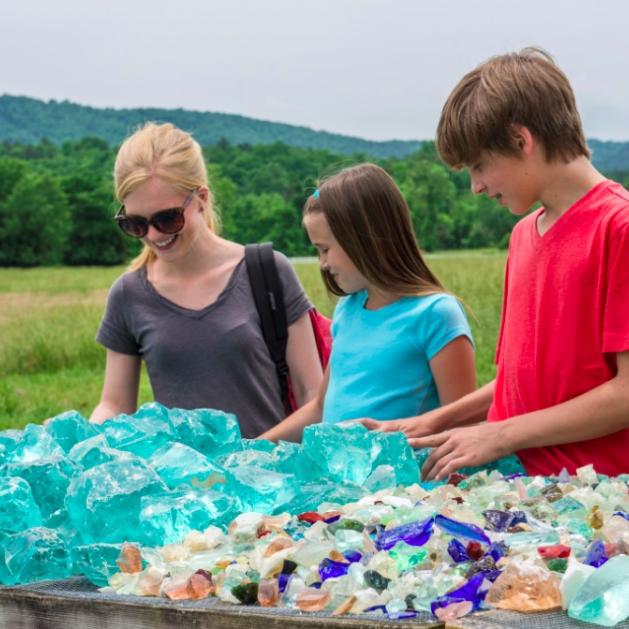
column 461, row 447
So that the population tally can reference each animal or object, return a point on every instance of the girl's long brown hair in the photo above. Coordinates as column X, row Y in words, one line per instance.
column 371, row 221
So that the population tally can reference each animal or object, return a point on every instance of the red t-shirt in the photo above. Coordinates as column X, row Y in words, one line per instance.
column 565, row 315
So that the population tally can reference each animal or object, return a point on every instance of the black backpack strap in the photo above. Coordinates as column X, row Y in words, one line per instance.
column 269, row 298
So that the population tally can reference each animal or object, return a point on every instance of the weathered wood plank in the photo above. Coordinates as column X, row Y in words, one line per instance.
column 25, row 608
column 498, row 619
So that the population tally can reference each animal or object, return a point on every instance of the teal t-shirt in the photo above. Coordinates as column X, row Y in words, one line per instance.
column 379, row 365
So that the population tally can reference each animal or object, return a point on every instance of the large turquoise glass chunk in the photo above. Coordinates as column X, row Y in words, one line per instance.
column 178, row 464
column 104, row 502
column 8, row 440
column 604, row 597
column 49, row 479
column 341, row 453
column 69, row 429
column 257, row 458
column 94, row 451
column 140, row 434
column 33, row 555
column 397, row 453
column 35, row 444
column 262, row 490
column 211, row 432
column 96, row 561
column 18, row 509
column 311, row 495
column 166, row 518
column 288, row 457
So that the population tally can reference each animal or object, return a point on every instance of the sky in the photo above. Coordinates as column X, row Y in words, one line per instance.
column 377, row 69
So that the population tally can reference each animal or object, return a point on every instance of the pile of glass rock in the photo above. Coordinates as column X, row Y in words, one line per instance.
column 174, row 503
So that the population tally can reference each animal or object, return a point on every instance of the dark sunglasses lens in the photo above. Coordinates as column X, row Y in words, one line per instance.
column 168, row 221
column 136, row 227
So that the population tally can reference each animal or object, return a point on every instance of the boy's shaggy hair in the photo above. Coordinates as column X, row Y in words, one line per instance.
column 524, row 88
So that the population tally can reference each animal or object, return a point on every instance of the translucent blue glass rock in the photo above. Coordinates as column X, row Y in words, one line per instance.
column 397, row 453
column 257, row 458
column 96, row 450
column 104, row 502
column 413, row 534
column 329, row 568
column 166, row 518
column 8, row 441
column 262, row 490
column 60, row 521
column 596, row 555
column 457, row 551
column 604, row 597
column 211, row 432
column 309, row 496
column 33, row 555
column 470, row 591
column 289, row 459
column 69, row 428
column 96, row 561
column 140, row 434
column 178, row 464
column 18, row 509
column 341, row 453
column 461, row 529
column 35, row 444
column 262, row 445
column 49, row 479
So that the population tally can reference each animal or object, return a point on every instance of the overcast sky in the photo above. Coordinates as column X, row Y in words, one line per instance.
column 378, row 69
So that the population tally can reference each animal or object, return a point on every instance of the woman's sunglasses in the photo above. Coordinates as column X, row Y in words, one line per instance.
column 168, row 221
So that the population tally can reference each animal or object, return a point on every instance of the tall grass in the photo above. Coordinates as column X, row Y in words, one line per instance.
column 49, row 361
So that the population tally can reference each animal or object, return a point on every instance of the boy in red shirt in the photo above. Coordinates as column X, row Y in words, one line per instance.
column 561, row 393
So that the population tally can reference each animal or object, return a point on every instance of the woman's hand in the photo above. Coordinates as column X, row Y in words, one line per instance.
column 461, row 447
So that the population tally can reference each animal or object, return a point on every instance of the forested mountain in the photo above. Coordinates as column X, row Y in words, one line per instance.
column 27, row 120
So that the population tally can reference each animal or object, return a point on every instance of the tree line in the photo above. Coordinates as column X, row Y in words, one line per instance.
column 57, row 201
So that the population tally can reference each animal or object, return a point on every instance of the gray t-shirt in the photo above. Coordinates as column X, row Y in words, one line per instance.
column 210, row 358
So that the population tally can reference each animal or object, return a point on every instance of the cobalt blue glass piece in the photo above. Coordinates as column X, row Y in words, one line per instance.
column 513, row 476
column 497, row 550
column 352, row 556
column 376, row 608
column 282, row 581
column 622, row 514
column 461, row 529
column 503, row 520
column 596, row 555
column 334, row 518
column 469, row 591
column 457, row 551
column 329, row 569
column 414, row 534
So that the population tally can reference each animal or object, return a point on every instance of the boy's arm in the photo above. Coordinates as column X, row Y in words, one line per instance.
column 292, row 428
column 596, row 413
column 469, row 409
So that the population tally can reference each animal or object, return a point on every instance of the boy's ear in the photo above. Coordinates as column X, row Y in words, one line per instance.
column 523, row 139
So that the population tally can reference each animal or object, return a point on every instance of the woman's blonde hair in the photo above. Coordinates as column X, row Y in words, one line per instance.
column 168, row 153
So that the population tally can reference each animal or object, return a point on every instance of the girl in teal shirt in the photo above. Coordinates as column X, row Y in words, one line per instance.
column 401, row 345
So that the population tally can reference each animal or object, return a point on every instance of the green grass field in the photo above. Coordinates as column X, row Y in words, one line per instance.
column 50, row 363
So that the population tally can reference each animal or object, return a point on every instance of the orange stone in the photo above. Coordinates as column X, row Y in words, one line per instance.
column 312, row 600
column 268, row 593
column 130, row 559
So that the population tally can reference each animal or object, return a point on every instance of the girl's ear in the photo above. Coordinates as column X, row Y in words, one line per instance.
column 523, row 139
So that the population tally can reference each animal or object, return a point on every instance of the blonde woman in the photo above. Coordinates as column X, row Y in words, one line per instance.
column 185, row 307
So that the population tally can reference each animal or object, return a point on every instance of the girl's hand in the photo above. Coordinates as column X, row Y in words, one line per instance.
column 419, row 426
column 381, row 426
column 461, row 447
